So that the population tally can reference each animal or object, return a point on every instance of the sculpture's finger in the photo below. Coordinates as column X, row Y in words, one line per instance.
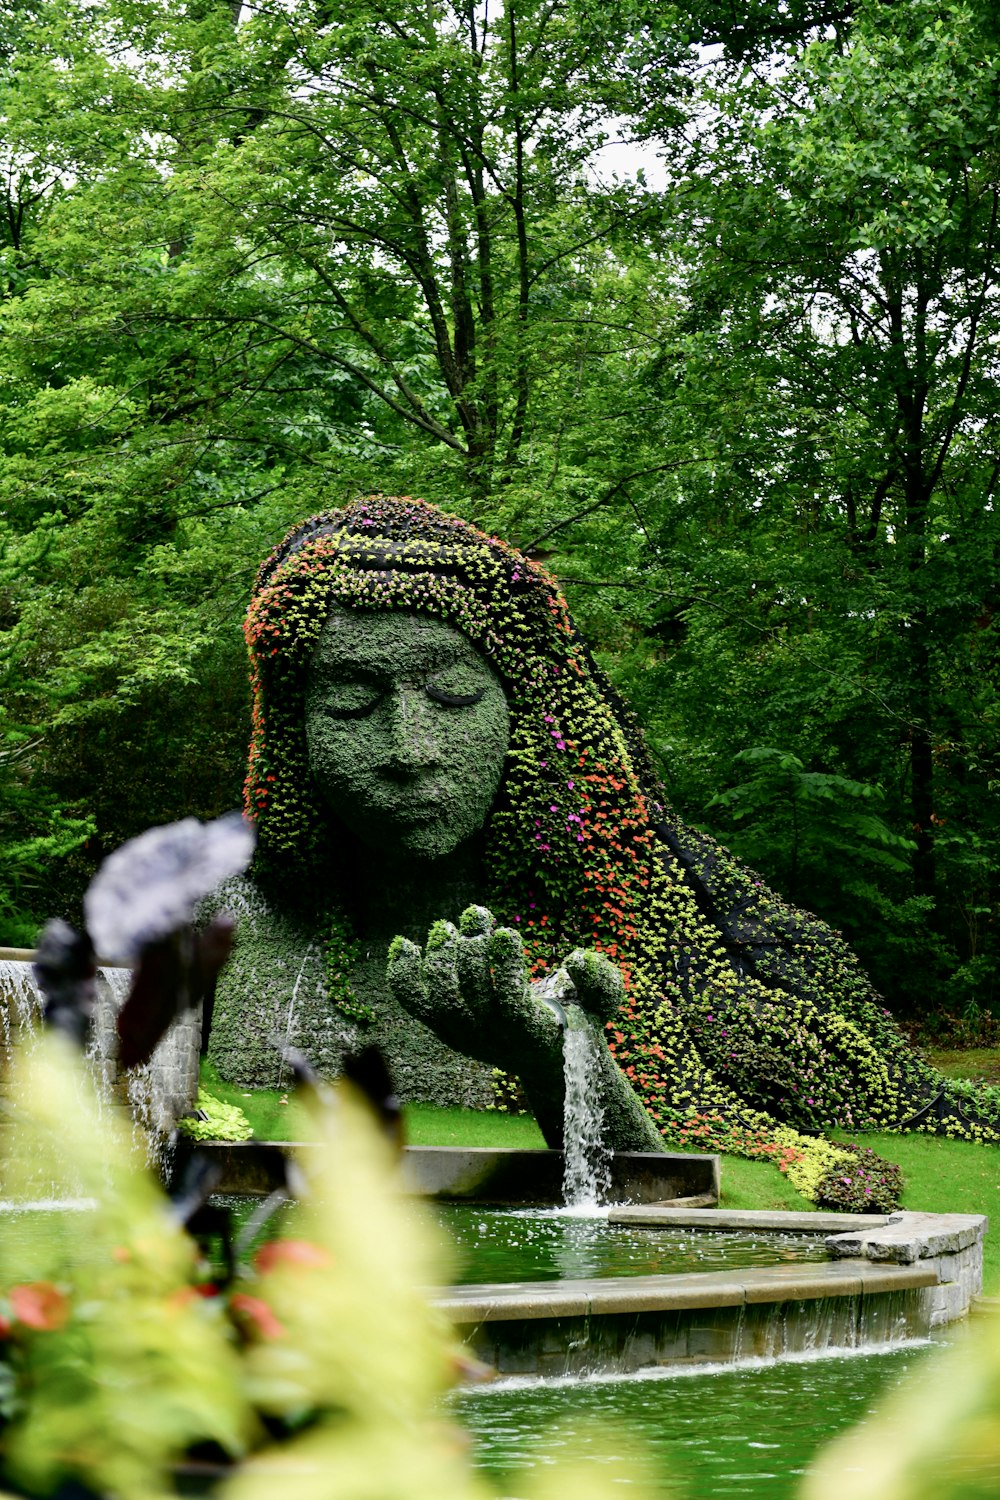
column 475, row 925
column 405, row 976
column 508, row 971
column 441, row 969
column 600, row 989
column 476, row 921
column 474, row 979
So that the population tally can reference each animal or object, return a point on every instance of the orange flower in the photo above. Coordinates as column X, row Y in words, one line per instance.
column 258, row 1315
column 290, row 1253
column 39, row 1304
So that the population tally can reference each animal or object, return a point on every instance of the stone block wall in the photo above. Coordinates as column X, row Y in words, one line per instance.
column 951, row 1243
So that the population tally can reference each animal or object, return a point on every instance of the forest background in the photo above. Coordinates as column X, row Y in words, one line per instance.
column 258, row 259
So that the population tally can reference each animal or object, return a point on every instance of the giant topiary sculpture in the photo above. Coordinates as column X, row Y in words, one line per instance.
column 431, row 732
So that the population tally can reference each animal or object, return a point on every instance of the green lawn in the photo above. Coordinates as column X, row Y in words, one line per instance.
column 981, row 1064
column 269, row 1111
column 954, row 1177
column 430, row 1125
column 942, row 1176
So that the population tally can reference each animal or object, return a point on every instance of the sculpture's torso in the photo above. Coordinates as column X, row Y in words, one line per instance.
column 275, row 993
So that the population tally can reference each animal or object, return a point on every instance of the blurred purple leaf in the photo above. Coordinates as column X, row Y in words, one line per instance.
column 66, row 972
column 174, row 973
column 150, row 887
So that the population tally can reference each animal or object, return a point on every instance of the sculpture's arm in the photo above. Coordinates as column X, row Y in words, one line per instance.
column 470, row 986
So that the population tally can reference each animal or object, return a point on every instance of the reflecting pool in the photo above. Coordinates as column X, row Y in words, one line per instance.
column 502, row 1245
column 748, row 1431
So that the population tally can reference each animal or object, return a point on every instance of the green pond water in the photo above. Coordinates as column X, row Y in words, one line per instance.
column 750, row 1431
column 502, row 1245
column 723, row 1431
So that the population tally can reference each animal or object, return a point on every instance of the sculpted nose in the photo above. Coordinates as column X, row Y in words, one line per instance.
column 413, row 740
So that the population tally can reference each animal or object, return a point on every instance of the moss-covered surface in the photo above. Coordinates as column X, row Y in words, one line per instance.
column 470, row 985
column 406, row 731
column 275, row 993
column 746, row 1025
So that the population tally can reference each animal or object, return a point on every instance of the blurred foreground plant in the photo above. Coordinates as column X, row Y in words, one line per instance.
column 936, row 1438
column 320, row 1369
column 114, row 1366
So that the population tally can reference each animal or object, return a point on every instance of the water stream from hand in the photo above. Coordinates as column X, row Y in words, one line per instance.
column 587, row 1170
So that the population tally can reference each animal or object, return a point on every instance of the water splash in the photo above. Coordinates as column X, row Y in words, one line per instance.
column 150, row 1090
column 587, row 1170
column 20, row 1001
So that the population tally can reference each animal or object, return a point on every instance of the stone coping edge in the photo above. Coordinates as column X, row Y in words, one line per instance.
column 909, row 1237
column 900, row 1238
column 662, row 1216
column 28, row 956
column 524, row 1301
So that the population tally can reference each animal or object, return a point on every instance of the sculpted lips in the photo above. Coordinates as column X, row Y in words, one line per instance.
column 425, row 810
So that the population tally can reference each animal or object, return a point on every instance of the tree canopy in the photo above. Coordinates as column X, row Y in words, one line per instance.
column 257, row 259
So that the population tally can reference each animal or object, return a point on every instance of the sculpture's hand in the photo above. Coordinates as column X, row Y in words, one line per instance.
column 598, row 983
column 470, row 985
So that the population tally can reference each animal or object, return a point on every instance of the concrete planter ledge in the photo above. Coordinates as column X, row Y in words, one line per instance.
column 891, row 1277
column 484, row 1174
column 620, row 1326
column 952, row 1243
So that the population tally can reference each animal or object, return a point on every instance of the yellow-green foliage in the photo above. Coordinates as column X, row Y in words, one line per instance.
column 130, row 1366
column 358, row 1343
column 354, row 1340
column 115, row 1362
column 221, row 1122
column 806, row 1161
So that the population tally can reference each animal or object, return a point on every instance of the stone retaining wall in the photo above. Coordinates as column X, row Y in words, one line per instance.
column 161, row 1091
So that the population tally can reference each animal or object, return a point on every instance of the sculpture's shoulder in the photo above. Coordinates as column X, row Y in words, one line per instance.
column 260, row 916
column 272, row 991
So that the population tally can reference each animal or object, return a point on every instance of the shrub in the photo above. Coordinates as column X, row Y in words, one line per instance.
column 508, row 1096
column 211, row 1120
column 864, row 1183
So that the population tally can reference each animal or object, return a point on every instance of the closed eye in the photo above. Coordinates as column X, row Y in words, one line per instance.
column 352, row 700
column 453, row 700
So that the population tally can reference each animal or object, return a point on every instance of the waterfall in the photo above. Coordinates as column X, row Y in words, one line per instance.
column 587, row 1170
column 157, row 1092
column 20, row 1002
column 290, row 1019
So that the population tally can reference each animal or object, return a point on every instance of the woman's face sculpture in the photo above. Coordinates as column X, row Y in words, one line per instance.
column 407, row 729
